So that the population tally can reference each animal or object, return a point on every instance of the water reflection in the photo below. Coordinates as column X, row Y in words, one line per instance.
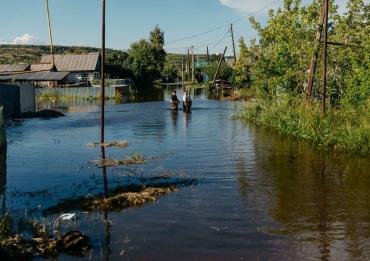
column 106, row 221
column 3, row 177
column 318, row 196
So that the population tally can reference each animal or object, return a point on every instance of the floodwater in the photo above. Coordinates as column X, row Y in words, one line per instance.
column 259, row 197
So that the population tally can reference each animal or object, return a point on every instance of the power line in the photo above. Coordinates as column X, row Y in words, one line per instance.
column 223, row 26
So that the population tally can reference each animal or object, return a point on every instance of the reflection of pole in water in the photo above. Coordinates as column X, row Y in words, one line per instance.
column 107, row 224
column 107, row 237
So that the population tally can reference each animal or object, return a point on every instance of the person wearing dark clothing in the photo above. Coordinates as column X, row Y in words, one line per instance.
column 174, row 97
column 174, row 101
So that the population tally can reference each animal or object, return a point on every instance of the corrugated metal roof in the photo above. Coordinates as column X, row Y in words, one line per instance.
column 41, row 67
column 36, row 76
column 14, row 67
column 74, row 62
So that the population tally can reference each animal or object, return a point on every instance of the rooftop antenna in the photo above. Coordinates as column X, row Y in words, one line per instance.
column 50, row 34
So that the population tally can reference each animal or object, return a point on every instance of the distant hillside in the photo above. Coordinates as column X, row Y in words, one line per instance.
column 11, row 54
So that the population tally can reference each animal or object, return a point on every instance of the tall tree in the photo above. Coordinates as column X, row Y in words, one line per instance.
column 157, row 41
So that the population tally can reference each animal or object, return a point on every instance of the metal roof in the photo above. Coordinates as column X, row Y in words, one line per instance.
column 36, row 76
column 14, row 67
column 41, row 67
column 73, row 62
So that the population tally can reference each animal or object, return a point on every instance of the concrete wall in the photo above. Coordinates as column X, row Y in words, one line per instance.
column 27, row 97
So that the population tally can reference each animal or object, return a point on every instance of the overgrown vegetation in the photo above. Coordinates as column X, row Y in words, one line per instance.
column 278, row 64
column 22, row 238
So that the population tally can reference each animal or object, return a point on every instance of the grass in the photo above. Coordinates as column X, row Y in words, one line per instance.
column 342, row 129
column 242, row 94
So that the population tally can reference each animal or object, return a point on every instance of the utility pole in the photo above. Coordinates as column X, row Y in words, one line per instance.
column 311, row 77
column 102, row 77
column 232, row 38
column 188, row 62
column 207, row 55
column 325, row 56
column 182, row 70
column 50, row 34
column 218, row 67
column 193, row 64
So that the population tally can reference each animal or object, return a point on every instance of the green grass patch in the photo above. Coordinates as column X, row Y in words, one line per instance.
column 344, row 129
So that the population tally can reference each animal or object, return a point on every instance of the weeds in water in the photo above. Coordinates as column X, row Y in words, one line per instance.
column 130, row 199
column 134, row 159
column 345, row 129
column 119, row 144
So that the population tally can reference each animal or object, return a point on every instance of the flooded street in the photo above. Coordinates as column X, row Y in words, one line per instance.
column 259, row 196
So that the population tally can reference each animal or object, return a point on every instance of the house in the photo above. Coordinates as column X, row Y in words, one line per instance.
column 38, row 79
column 81, row 67
column 13, row 68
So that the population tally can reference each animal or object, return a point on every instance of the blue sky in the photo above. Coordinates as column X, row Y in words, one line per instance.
column 77, row 22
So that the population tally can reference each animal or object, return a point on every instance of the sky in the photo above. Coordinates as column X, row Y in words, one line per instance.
column 78, row 22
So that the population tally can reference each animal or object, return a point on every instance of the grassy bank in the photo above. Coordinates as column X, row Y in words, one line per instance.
column 345, row 129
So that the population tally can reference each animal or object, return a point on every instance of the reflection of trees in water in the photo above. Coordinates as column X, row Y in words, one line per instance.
column 320, row 197
column 2, row 176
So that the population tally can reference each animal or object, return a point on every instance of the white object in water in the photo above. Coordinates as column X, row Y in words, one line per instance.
column 67, row 216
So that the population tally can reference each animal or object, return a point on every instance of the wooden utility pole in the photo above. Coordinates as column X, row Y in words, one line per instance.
column 325, row 56
column 232, row 38
column 182, row 70
column 102, row 77
column 218, row 67
column 207, row 55
column 192, row 64
column 188, row 62
column 50, row 34
column 311, row 77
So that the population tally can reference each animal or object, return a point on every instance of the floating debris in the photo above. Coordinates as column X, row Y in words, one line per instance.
column 134, row 159
column 130, row 199
column 119, row 144
column 67, row 216
column 123, row 197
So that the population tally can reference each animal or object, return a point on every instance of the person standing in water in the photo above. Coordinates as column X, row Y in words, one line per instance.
column 174, row 101
column 186, row 99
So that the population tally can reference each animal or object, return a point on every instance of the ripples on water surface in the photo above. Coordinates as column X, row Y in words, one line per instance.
column 260, row 196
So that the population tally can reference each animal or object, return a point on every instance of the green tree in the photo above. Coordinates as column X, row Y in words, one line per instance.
column 146, row 58
column 225, row 73
column 244, row 64
column 157, row 41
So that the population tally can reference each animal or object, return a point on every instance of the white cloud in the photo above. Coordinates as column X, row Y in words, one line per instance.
column 26, row 39
column 249, row 6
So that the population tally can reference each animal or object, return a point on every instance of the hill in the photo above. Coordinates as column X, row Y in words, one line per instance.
column 11, row 54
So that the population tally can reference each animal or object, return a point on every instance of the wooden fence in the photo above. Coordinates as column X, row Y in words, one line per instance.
column 80, row 92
